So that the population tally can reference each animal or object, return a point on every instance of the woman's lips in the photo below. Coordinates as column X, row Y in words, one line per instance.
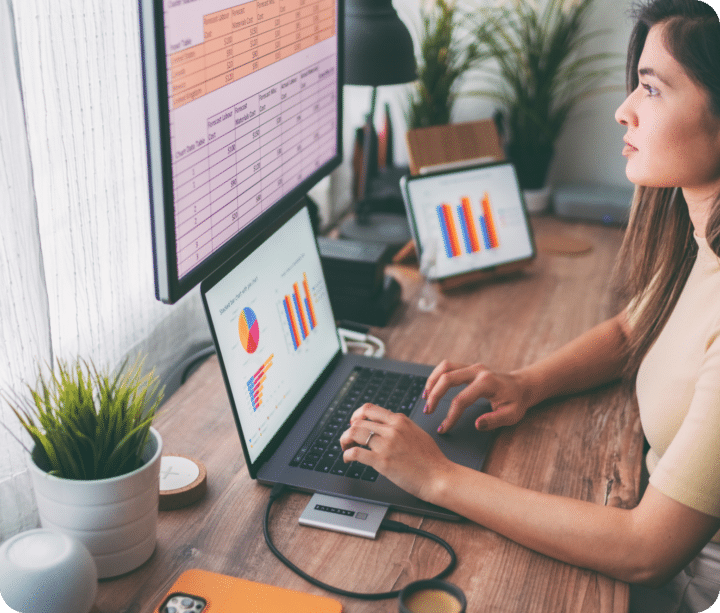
column 628, row 149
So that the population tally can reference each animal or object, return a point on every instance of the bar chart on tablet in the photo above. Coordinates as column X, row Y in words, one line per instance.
column 476, row 228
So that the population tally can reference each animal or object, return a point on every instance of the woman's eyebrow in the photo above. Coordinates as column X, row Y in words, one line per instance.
column 650, row 72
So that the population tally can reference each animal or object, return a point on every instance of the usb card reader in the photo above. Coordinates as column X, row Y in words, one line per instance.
column 343, row 515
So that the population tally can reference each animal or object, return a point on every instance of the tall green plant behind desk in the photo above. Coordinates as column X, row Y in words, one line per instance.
column 587, row 446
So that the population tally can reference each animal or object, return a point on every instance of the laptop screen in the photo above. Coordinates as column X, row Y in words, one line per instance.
column 274, row 329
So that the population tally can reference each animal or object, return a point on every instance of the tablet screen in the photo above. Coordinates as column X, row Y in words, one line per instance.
column 468, row 220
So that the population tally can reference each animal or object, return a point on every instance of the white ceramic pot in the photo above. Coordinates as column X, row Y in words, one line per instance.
column 537, row 200
column 116, row 518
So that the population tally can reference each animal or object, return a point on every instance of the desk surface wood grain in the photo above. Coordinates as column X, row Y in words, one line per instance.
column 586, row 446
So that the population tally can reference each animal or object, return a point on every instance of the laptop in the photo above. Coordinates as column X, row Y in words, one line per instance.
column 291, row 388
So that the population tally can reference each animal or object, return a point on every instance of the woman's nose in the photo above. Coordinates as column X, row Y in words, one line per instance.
column 625, row 114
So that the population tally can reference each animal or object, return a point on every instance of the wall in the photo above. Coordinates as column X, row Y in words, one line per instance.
column 589, row 150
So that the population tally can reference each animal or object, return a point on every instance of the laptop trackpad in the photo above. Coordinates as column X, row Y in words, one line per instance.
column 463, row 444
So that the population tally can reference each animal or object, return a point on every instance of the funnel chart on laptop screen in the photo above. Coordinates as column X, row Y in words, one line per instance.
column 470, row 220
column 275, row 328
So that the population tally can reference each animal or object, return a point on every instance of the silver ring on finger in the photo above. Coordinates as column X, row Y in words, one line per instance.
column 367, row 442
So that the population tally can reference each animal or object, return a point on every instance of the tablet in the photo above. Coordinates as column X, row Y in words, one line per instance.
column 467, row 220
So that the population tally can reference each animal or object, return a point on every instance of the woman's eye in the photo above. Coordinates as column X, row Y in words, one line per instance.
column 651, row 91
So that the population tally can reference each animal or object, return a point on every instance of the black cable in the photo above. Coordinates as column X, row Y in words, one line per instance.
column 387, row 524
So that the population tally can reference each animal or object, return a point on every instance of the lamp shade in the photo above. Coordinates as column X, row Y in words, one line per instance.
column 378, row 46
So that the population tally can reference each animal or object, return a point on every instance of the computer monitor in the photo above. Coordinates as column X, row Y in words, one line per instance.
column 243, row 105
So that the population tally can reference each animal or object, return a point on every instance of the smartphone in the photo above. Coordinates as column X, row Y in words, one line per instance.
column 183, row 603
column 201, row 591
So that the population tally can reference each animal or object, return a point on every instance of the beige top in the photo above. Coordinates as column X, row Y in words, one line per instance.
column 678, row 391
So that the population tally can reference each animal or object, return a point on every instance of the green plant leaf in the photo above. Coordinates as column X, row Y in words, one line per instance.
column 534, row 67
column 89, row 424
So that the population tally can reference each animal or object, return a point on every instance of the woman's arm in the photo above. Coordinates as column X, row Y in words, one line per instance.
column 594, row 358
column 648, row 544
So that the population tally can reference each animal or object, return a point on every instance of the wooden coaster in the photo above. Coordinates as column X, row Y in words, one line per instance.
column 183, row 481
column 563, row 245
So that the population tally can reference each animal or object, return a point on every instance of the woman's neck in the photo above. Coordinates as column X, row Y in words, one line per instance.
column 700, row 202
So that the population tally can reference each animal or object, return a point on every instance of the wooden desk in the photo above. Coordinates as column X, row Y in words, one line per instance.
column 586, row 447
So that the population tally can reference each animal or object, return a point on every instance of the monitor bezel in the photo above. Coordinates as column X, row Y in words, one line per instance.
column 169, row 287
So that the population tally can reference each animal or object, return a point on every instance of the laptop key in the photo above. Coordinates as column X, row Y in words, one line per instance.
column 340, row 467
column 369, row 474
column 355, row 470
column 325, row 465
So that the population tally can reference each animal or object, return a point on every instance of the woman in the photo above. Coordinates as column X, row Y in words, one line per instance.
column 668, row 338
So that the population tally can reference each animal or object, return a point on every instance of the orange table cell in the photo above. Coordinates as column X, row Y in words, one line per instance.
column 181, row 85
column 267, row 9
column 268, row 49
column 187, row 69
column 265, row 61
column 218, row 24
column 289, row 41
column 189, row 96
column 243, row 15
column 219, row 81
column 220, row 61
column 286, row 6
column 289, row 34
column 218, row 44
column 186, row 55
column 307, row 10
column 268, row 38
column 317, row 30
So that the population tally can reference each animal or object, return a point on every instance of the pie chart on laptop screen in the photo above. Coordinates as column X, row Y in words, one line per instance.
column 249, row 330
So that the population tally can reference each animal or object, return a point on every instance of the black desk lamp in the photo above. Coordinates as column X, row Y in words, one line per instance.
column 378, row 51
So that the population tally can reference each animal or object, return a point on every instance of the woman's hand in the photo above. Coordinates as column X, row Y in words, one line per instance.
column 505, row 391
column 399, row 449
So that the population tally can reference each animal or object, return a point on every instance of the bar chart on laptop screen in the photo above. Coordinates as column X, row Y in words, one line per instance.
column 249, row 149
column 298, row 312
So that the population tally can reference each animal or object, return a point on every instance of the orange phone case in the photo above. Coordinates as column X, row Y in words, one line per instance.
column 225, row 594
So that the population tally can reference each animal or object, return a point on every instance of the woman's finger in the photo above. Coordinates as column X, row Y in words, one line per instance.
column 479, row 388
column 506, row 415
column 358, row 454
column 371, row 412
column 361, row 432
column 448, row 380
column 440, row 369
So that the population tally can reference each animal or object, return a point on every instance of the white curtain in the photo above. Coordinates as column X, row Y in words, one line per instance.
column 76, row 273
column 75, row 249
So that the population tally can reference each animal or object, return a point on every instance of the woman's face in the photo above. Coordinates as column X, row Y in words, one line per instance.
column 672, row 138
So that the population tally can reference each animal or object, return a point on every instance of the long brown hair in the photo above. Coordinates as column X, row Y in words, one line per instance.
column 659, row 250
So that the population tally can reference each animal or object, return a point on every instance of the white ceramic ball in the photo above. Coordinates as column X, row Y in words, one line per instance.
column 47, row 572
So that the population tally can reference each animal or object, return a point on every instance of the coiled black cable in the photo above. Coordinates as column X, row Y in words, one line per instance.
column 387, row 524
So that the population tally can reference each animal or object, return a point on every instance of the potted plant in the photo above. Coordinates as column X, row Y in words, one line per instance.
column 95, row 464
column 538, row 75
column 444, row 58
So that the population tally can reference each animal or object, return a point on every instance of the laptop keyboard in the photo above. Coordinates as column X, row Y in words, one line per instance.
column 321, row 450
